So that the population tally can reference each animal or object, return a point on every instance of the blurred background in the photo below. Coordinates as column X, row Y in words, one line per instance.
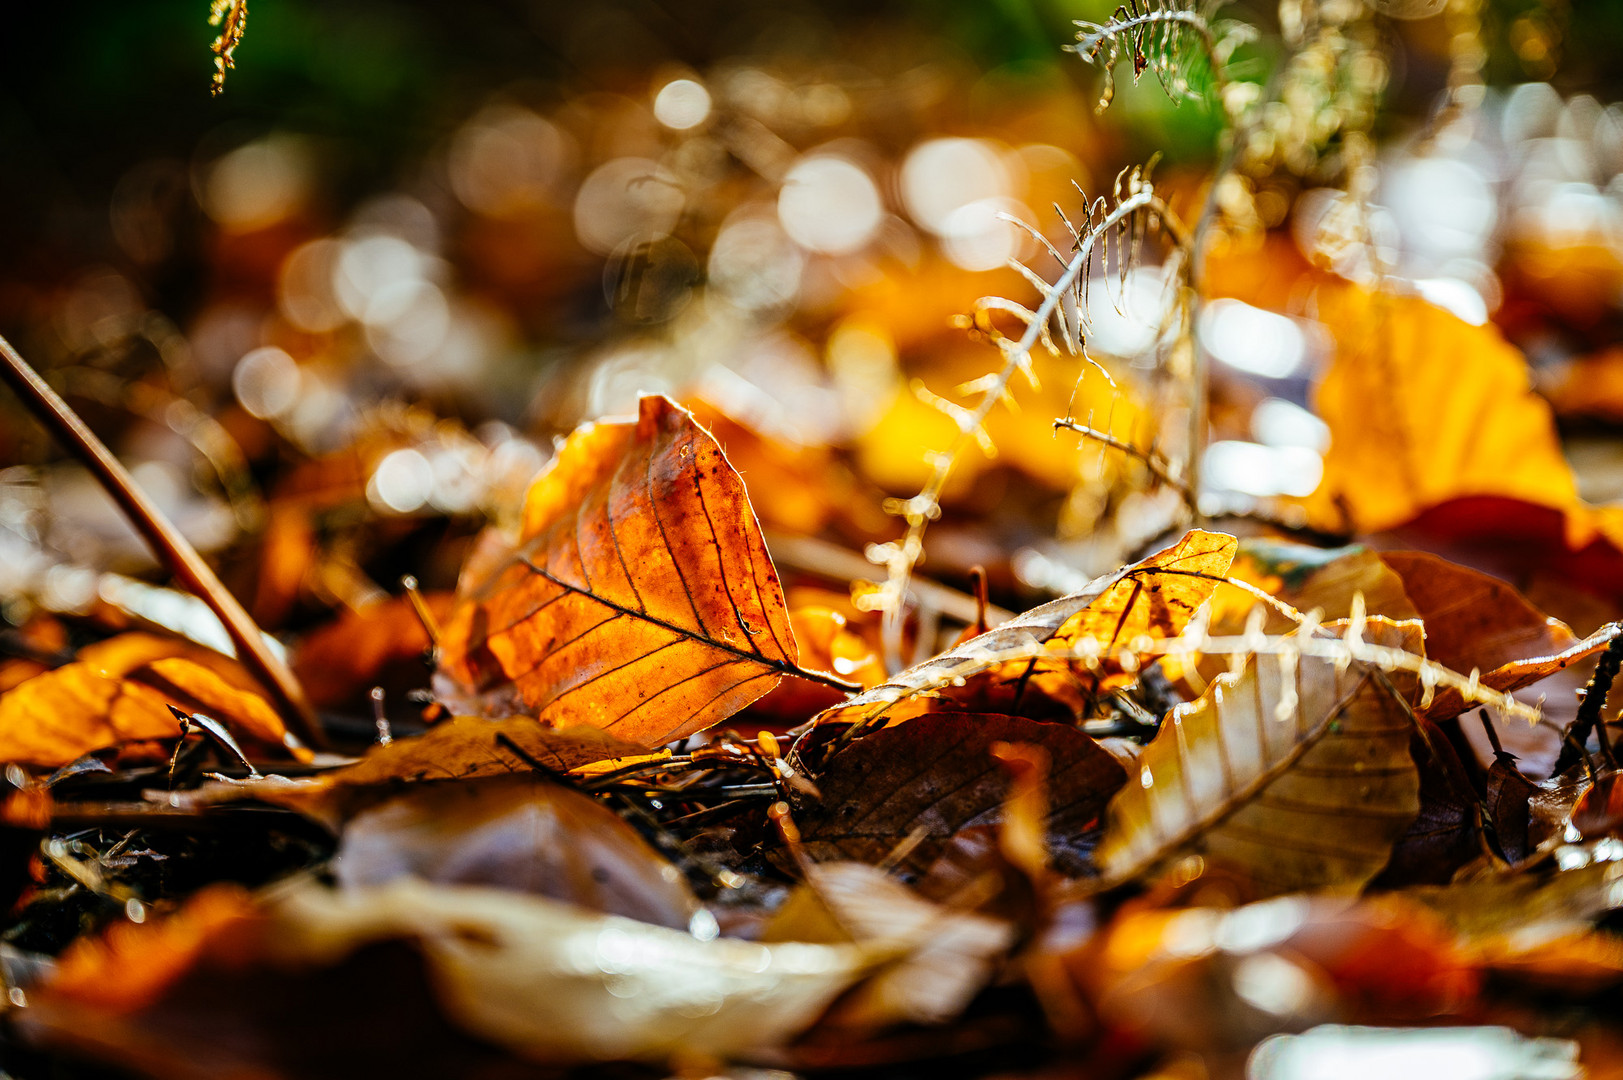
column 334, row 317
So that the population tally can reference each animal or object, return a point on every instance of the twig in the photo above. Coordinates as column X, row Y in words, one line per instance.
column 165, row 540
column 1157, row 468
column 1589, row 710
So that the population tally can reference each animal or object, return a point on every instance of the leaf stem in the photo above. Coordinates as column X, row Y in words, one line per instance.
column 166, row 541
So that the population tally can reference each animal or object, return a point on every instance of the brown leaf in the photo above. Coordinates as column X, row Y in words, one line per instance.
column 642, row 599
column 466, row 748
column 948, row 955
column 516, row 833
column 1474, row 621
column 1303, row 793
column 926, row 781
column 1155, row 598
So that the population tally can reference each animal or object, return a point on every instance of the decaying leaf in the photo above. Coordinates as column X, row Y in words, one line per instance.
column 517, row 833
column 551, row 982
column 1293, row 771
column 466, row 748
column 913, row 788
column 641, row 599
column 949, row 955
column 1477, row 622
column 1154, row 598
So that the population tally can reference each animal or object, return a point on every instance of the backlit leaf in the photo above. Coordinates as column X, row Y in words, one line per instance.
column 1301, row 778
column 641, row 599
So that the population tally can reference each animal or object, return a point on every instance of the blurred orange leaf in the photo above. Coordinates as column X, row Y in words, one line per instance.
column 120, row 694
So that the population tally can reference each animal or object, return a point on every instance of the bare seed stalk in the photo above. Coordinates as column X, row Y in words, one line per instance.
column 166, row 541
column 924, row 507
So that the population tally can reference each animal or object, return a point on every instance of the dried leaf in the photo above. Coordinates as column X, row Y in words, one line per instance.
column 1300, row 778
column 1474, row 621
column 1170, row 975
column 949, row 955
column 61, row 715
column 642, row 599
column 466, row 748
column 517, row 833
column 1154, row 598
column 927, row 781
column 548, row 981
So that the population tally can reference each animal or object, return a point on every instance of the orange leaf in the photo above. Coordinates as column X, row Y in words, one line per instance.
column 344, row 658
column 119, row 691
column 641, row 599
column 62, row 715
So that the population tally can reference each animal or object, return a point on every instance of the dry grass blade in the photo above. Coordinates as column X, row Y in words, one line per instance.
column 641, row 600
column 166, row 541
column 1296, row 771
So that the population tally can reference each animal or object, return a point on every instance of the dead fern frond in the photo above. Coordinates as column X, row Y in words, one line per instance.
column 1114, row 227
column 231, row 16
column 1163, row 36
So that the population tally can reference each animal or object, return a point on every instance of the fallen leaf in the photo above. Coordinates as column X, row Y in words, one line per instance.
column 1477, row 622
column 948, row 955
column 1424, row 407
column 466, row 748
column 1154, row 598
column 517, row 833
column 642, row 580
column 918, row 785
column 1300, row 778
column 548, row 981
column 63, row 714
column 1171, row 975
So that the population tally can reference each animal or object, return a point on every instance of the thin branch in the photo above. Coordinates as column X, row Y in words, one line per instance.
column 166, row 541
column 1157, row 468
